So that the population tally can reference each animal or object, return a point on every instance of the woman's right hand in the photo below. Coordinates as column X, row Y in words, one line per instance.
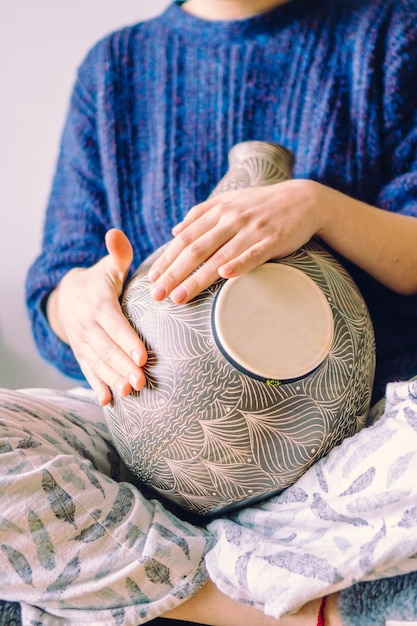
column 84, row 311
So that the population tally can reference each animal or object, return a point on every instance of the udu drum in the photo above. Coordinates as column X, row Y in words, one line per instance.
column 255, row 379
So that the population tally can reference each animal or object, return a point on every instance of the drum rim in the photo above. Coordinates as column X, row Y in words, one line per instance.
column 241, row 364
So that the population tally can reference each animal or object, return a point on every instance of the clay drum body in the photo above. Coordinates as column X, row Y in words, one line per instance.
column 255, row 379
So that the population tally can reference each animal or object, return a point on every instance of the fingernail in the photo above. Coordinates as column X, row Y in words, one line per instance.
column 179, row 295
column 154, row 274
column 226, row 270
column 134, row 379
column 159, row 292
column 102, row 398
column 135, row 357
column 119, row 386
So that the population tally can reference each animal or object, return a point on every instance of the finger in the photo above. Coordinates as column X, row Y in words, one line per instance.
column 102, row 390
column 87, row 361
column 117, row 327
column 190, row 262
column 197, row 211
column 108, row 362
column 188, row 238
column 194, row 284
column 255, row 255
column 208, row 272
column 120, row 251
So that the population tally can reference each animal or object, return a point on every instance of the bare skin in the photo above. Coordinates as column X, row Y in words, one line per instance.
column 84, row 312
column 229, row 9
column 211, row 607
column 227, row 612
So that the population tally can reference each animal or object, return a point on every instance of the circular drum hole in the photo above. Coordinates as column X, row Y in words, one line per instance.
column 273, row 323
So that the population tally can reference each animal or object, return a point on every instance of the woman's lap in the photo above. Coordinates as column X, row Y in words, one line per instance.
column 74, row 540
column 347, row 519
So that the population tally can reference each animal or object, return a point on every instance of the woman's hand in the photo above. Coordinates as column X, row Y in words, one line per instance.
column 232, row 234
column 236, row 231
column 84, row 311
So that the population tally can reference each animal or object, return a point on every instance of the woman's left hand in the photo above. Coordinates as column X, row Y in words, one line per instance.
column 233, row 233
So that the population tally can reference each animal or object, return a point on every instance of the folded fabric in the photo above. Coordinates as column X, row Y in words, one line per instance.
column 352, row 517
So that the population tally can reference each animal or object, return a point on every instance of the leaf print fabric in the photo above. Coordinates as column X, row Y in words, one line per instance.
column 89, row 550
column 60, row 501
column 19, row 563
column 352, row 517
column 44, row 546
column 76, row 547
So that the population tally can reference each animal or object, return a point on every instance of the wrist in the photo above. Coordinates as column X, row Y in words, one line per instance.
column 320, row 617
column 330, row 610
column 52, row 315
column 54, row 306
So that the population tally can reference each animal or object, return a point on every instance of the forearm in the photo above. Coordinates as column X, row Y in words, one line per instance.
column 52, row 313
column 211, row 606
column 381, row 243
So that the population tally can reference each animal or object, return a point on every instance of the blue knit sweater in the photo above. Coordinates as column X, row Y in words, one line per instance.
column 157, row 106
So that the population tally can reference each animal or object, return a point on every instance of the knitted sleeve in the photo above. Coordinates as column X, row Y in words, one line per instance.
column 391, row 111
column 399, row 113
column 76, row 217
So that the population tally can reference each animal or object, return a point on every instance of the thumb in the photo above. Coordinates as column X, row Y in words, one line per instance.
column 120, row 252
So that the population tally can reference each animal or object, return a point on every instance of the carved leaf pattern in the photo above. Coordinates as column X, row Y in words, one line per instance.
column 298, row 524
column 215, row 419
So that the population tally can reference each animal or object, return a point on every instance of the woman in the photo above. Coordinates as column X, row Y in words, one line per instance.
column 155, row 110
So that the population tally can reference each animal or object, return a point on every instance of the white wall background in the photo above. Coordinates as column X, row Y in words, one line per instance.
column 41, row 44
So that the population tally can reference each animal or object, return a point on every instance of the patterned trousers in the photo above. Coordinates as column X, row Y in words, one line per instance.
column 79, row 546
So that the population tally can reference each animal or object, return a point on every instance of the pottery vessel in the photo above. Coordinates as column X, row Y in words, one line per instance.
column 254, row 380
